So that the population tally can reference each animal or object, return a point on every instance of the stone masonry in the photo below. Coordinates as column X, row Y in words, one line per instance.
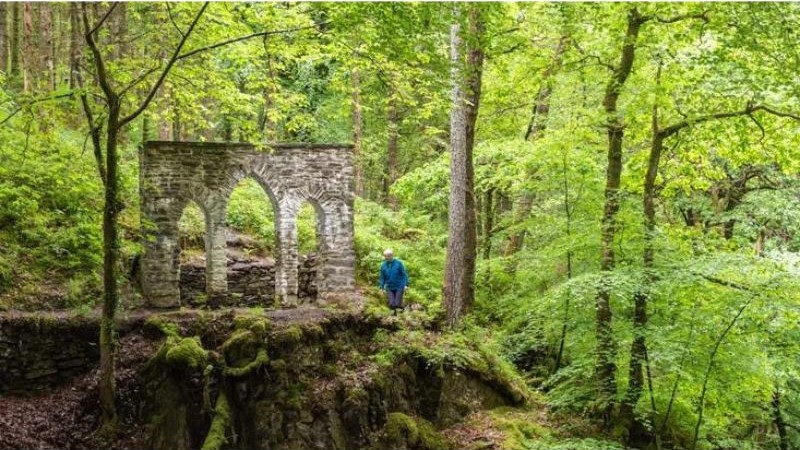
column 174, row 173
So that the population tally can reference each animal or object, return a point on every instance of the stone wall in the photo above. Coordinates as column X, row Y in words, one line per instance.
column 251, row 282
column 174, row 173
column 39, row 352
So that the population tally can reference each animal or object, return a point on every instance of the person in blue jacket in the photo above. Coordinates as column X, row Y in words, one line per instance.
column 393, row 280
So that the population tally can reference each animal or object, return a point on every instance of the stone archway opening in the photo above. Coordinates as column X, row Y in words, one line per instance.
column 251, row 245
column 311, row 251
column 192, row 238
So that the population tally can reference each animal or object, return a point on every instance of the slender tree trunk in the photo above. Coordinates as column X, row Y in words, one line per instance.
column 121, row 31
column 640, row 297
column 108, row 346
column 4, row 37
column 358, row 130
column 488, row 222
column 27, row 44
column 177, row 124
column 568, row 232
column 459, row 280
column 46, row 47
column 14, row 40
column 536, row 128
column 780, row 424
column 707, row 375
column 394, row 119
column 606, row 348
column 74, row 44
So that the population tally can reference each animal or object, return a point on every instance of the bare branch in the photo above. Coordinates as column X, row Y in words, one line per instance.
column 95, row 128
column 33, row 102
column 172, row 20
column 726, row 283
column 701, row 16
column 138, row 80
column 748, row 110
column 102, row 75
column 166, row 70
column 102, row 20
column 242, row 38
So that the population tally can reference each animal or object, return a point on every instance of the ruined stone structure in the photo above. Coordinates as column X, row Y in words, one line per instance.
column 174, row 173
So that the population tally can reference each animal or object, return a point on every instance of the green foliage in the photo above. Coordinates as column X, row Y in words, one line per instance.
column 726, row 189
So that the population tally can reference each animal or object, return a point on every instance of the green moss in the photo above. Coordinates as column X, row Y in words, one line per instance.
column 220, row 424
column 186, row 352
column 455, row 350
column 162, row 325
column 519, row 427
column 256, row 323
column 240, row 371
column 413, row 432
column 292, row 334
column 244, row 353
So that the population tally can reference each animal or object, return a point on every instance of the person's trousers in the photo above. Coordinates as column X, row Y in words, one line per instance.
column 395, row 297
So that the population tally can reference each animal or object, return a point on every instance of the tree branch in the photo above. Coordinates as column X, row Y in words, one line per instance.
column 94, row 129
column 172, row 19
column 102, row 74
column 702, row 16
column 166, row 70
column 748, row 109
column 33, row 102
column 103, row 19
column 138, row 80
column 242, row 38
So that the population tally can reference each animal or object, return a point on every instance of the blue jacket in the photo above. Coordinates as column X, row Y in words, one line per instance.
column 393, row 275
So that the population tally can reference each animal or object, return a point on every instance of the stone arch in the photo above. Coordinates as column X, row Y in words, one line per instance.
column 236, row 180
column 173, row 172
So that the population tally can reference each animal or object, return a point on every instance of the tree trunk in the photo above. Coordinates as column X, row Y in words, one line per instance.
column 107, row 384
column 459, row 280
column 568, row 232
column 536, row 127
column 74, row 44
column 14, row 41
column 4, row 37
column 488, row 222
column 606, row 351
column 358, row 130
column 121, row 31
column 640, row 297
column 780, row 424
column 27, row 44
column 393, row 115
column 46, row 44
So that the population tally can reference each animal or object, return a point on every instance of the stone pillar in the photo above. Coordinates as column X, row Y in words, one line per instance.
column 286, row 273
column 216, row 245
column 160, row 262
column 338, row 269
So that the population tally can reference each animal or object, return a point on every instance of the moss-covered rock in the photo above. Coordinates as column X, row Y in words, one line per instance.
column 186, row 352
column 244, row 352
column 404, row 432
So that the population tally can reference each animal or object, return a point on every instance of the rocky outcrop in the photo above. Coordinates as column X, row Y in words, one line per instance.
column 305, row 378
column 311, row 386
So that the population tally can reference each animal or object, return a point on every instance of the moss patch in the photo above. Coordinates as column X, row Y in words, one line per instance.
column 405, row 431
column 186, row 352
column 220, row 424
column 243, row 353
